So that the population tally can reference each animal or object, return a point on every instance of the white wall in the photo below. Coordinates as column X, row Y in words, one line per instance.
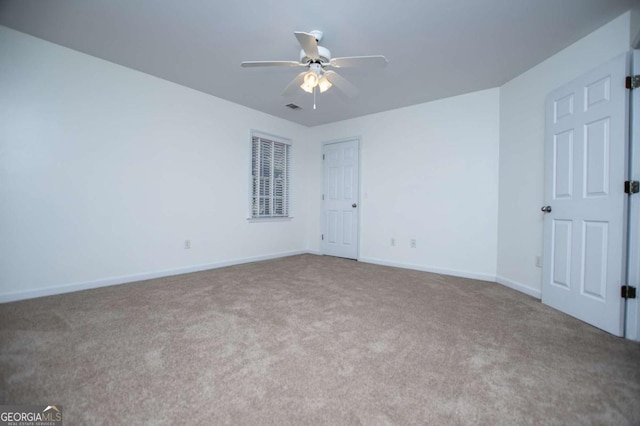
column 428, row 172
column 522, row 149
column 105, row 171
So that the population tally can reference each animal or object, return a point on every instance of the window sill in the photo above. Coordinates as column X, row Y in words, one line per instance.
column 269, row 219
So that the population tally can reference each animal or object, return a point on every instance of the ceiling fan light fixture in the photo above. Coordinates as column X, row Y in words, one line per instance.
column 324, row 84
column 310, row 81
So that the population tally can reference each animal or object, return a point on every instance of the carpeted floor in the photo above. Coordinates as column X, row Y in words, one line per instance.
column 314, row 340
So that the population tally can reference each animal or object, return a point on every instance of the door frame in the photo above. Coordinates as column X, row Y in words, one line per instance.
column 358, row 139
column 632, row 316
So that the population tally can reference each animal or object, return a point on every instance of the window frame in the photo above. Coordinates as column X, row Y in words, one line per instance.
column 253, row 193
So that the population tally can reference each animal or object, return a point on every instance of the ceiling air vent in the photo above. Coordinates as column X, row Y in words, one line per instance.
column 293, row 106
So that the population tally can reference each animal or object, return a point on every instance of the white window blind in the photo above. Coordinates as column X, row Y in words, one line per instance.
column 270, row 176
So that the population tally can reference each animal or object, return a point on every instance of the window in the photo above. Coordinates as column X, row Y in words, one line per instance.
column 270, row 176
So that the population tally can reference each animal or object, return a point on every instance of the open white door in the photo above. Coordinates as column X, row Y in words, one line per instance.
column 340, row 199
column 586, row 144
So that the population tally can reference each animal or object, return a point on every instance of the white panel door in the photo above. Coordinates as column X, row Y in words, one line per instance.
column 585, row 167
column 340, row 199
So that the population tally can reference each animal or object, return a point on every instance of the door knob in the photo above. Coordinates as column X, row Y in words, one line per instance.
column 354, row 205
column 546, row 209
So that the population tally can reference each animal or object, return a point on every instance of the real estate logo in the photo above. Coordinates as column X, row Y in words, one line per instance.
column 30, row 415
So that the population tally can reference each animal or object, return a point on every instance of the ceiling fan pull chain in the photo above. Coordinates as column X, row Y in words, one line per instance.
column 314, row 98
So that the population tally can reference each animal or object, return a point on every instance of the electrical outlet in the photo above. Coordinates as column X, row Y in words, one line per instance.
column 413, row 243
column 187, row 244
column 393, row 242
column 538, row 262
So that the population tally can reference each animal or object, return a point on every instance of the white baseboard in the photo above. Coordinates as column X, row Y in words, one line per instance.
column 68, row 288
column 519, row 287
column 442, row 271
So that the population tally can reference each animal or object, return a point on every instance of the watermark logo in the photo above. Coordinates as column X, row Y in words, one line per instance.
column 30, row 415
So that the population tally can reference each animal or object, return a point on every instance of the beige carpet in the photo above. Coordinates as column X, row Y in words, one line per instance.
column 314, row 340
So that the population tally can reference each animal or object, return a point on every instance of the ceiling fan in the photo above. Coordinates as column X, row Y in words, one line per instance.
column 317, row 59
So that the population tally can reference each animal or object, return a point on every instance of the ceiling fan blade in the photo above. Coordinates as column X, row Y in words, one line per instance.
column 294, row 86
column 249, row 64
column 343, row 85
column 376, row 61
column 309, row 44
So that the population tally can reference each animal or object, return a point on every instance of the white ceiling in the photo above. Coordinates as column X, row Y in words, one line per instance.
column 435, row 48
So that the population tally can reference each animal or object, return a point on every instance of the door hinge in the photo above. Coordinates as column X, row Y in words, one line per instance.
column 323, row 156
column 628, row 292
column 631, row 187
column 322, row 237
column 323, row 196
column 632, row 82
